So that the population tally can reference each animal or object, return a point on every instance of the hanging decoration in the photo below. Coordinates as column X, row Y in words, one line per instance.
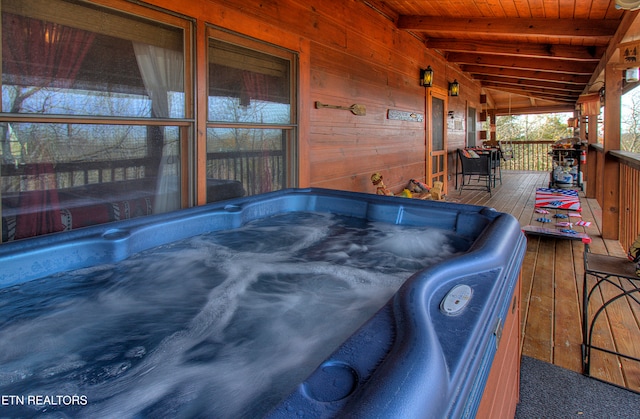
column 395, row 114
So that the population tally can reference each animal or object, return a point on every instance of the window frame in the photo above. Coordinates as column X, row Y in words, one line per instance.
column 292, row 128
column 124, row 10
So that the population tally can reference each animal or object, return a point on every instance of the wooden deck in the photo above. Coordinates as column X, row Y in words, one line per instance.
column 552, row 281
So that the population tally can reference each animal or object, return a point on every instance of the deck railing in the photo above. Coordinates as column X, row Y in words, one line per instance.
column 529, row 155
column 258, row 171
column 68, row 175
column 629, row 206
column 629, row 194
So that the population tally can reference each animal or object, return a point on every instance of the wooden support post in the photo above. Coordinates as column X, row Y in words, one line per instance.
column 592, row 178
column 202, row 69
column 611, row 172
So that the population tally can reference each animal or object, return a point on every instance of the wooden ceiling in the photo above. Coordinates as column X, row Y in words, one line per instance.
column 528, row 55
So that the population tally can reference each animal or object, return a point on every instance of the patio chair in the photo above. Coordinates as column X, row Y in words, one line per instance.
column 505, row 154
column 479, row 167
column 495, row 150
column 496, row 156
column 618, row 274
column 506, row 150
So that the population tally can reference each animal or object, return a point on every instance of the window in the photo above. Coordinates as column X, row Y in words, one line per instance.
column 250, row 117
column 471, row 127
column 96, row 111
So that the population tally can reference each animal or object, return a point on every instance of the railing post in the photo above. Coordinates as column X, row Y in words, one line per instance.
column 591, row 173
column 611, row 172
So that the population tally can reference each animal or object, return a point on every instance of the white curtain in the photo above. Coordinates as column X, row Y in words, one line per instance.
column 163, row 72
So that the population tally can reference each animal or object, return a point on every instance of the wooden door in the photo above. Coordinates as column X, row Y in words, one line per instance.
column 437, row 137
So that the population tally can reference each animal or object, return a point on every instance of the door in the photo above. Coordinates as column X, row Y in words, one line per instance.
column 437, row 138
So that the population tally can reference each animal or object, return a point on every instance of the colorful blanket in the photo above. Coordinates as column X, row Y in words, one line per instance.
column 566, row 199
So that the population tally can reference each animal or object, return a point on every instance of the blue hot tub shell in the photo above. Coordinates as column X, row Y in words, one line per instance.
column 409, row 360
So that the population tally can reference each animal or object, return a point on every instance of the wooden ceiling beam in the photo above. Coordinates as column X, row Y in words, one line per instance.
column 545, row 94
column 627, row 22
column 535, row 110
column 542, row 93
column 547, row 59
column 522, row 49
column 514, row 27
column 491, row 102
column 382, row 8
column 512, row 81
column 475, row 70
column 542, row 64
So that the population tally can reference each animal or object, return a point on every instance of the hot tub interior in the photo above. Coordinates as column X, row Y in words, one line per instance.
column 230, row 321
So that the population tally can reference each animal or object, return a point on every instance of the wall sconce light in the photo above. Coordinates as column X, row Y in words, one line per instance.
column 454, row 88
column 426, row 77
column 632, row 75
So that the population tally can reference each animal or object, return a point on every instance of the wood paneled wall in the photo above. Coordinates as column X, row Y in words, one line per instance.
column 355, row 56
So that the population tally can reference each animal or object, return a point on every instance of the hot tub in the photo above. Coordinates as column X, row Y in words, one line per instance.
column 230, row 310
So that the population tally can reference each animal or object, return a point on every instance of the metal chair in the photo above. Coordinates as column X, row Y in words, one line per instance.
column 505, row 154
column 493, row 149
column 481, row 167
column 495, row 165
column 506, row 150
column 605, row 269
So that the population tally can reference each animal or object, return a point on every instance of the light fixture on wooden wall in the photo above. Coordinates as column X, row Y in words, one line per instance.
column 628, row 4
column 426, row 77
column 454, row 88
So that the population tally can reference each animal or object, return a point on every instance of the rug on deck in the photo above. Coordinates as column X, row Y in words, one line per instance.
column 548, row 391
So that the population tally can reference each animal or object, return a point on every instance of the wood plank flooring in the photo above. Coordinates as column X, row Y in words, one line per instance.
column 552, row 281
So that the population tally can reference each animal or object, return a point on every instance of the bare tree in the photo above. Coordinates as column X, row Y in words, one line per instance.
column 630, row 124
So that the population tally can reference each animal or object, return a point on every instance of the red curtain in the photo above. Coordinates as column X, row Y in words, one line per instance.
column 42, row 54
column 38, row 54
column 255, row 85
column 39, row 208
